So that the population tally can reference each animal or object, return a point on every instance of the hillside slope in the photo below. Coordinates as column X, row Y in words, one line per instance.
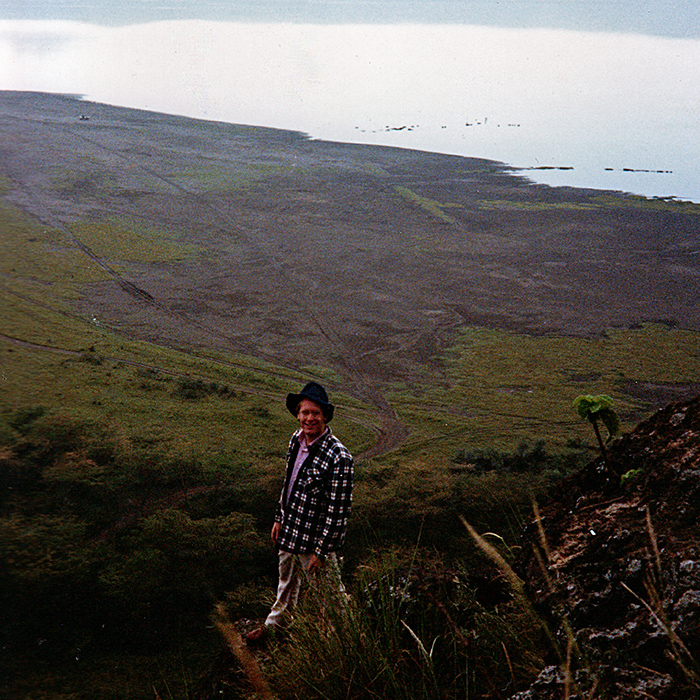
column 359, row 266
column 360, row 255
column 623, row 566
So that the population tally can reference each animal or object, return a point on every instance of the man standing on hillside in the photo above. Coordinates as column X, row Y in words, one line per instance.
column 314, row 506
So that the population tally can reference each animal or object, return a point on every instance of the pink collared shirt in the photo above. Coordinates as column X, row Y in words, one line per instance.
column 302, row 454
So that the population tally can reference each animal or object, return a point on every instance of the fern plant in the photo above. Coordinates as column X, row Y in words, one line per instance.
column 595, row 409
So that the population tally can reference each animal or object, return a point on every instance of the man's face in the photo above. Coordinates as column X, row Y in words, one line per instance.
column 311, row 419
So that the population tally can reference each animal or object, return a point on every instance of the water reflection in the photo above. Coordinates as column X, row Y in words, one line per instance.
column 586, row 109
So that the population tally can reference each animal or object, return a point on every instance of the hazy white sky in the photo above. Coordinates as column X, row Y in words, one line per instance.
column 678, row 18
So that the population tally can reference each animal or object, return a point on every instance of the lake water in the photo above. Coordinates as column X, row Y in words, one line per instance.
column 602, row 110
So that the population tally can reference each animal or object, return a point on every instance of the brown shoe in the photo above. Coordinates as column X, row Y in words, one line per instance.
column 256, row 636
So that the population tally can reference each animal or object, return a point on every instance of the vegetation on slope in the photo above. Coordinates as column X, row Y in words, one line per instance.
column 113, row 544
column 142, row 429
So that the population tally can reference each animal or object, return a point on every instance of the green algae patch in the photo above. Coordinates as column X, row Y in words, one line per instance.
column 655, row 204
column 510, row 205
column 126, row 240
column 431, row 206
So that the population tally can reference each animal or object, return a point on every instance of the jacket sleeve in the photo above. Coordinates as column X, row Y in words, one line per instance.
column 339, row 486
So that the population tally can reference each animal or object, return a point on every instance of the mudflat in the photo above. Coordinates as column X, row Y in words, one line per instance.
column 357, row 258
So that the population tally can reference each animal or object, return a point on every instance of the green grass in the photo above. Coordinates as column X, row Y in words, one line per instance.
column 126, row 240
column 431, row 206
column 91, row 371
column 376, row 170
column 507, row 204
column 491, row 388
column 84, row 675
column 505, row 387
column 241, row 177
column 144, row 400
column 413, row 628
column 599, row 202
column 39, row 261
column 639, row 202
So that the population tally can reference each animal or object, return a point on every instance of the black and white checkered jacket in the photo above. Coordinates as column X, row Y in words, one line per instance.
column 314, row 517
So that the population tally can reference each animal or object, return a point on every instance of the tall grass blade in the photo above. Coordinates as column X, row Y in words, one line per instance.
column 654, row 544
column 421, row 646
column 514, row 581
column 679, row 648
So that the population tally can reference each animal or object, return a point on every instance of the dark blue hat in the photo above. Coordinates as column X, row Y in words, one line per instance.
column 314, row 392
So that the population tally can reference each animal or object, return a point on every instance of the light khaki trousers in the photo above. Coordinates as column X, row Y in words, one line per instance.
column 293, row 570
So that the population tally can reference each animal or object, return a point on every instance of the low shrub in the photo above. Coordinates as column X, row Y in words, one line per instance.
column 96, row 541
column 525, row 459
column 194, row 389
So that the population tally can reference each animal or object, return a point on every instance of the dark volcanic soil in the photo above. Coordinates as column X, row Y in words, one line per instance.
column 356, row 257
column 623, row 566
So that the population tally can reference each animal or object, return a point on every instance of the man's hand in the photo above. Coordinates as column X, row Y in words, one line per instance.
column 315, row 564
column 275, row 532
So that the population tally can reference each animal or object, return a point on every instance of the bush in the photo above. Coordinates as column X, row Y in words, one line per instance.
column 417, row 502
column 93, row 541
column 194, row 389
column 24, row 418
column 171, row 569
column 525, row 459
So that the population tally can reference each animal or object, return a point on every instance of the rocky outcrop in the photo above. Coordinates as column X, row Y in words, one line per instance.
column 612, row 564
